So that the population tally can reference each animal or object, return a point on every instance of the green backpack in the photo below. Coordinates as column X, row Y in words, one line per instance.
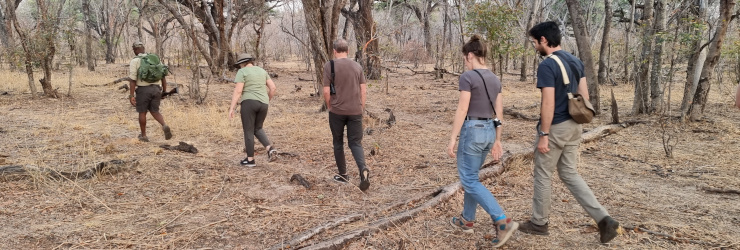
column 151, row 69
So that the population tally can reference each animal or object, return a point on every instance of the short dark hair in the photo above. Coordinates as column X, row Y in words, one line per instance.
column 549, row 30
column 475, row 46
column 340, row 45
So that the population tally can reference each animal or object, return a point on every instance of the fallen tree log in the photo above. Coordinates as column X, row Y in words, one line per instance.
column 520, row 115
column 440, row 195
column 300, row 180
column 184, row 147
column 109, row 167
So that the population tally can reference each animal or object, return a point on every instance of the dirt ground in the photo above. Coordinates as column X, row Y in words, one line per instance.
column 177, row 200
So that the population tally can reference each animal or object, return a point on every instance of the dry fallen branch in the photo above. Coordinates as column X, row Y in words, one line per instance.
column 441, row 195
column 670, row 237
column 317, row 230
column 517, row 114
column 721, row 191
column 109, row 167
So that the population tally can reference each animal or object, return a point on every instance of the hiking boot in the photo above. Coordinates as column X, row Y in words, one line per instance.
column 167, row 132
column 271, row 154
column 504, row 229
column 342, row 178
column 464, row 225
column 248, row 163
column 364, row 179
column 143, row 138
column 531, row 228
column 608, row 229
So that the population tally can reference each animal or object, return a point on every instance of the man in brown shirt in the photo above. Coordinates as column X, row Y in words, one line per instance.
column 345, row 101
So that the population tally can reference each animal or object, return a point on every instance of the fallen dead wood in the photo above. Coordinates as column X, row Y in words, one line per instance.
column 440, row 195
column 300, row 180
column 720, row 191
column 670, row 237
column 109, row 167
column 305, row 80
column 517, row 114
column 317, row 230
column 184, row 147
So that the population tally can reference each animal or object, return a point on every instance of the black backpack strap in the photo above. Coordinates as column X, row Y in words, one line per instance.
column 489, row 96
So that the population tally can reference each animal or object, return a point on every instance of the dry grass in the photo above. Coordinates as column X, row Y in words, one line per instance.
column 180, row 200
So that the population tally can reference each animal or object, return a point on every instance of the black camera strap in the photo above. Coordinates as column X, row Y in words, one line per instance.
column 489, row 96
column 332, row 90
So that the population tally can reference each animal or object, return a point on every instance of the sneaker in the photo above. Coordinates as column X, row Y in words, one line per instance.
column 143, row 138
column 364, row 179
column 248, row 163
column 531, row 228
column 504, row 229
column 343, row 178
column 271, row 154
column 460, row 222
column 167, row 132
column 608, row 229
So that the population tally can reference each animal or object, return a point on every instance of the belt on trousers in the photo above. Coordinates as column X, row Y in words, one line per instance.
column 476, row 118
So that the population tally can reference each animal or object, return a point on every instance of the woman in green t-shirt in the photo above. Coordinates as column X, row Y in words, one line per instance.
column 254, row 89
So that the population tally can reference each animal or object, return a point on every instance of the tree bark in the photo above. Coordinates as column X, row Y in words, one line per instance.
column 605, row 43
column 191, row 33
column 584, row 49
column 25, row 43
column 628, row 34
column 695, row 60
column 532, row 16
column 422, row 12
column 367, row 43
column 49, row 27
column 656, row 79
column 321, row 24
column 88, row 35
column 726, row 8
column 641, row 103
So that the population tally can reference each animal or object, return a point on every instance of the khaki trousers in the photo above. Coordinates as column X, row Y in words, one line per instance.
column 564, row 139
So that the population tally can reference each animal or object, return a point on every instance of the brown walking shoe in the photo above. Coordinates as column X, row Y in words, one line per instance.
column 531, row 228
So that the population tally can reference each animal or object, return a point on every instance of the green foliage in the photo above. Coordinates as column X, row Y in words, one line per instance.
column 498, row 25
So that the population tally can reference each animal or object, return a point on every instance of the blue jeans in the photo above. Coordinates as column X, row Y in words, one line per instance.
column 476, row 141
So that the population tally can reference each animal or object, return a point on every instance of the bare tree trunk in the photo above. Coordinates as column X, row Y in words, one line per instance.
column 584, row 48
column 88, row 35
column 695, row 60
column 25, row 43
column 605, row 43
column 367, row 43
column 321, row 23
column 49, row 26
column 627, row 42
column 726, row 8
column 191, row 33
column 641, row 102
column 656, row 80
column 532, row 16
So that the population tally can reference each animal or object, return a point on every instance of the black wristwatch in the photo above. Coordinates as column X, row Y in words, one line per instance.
column 543, row 134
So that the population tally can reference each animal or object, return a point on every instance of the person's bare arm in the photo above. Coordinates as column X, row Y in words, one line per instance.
column 271, row 89
column 583, row 88
column 737, row 97
column 547, row 112
column 235, row 97
column 462, row 110
column 164, row 84
column 363, row 94
column 497, row 150
column 327, row 97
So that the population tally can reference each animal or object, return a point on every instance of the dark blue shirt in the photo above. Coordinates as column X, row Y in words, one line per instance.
column 550, row 75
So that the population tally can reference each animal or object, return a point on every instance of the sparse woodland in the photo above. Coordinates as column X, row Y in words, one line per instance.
column 660, row 154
